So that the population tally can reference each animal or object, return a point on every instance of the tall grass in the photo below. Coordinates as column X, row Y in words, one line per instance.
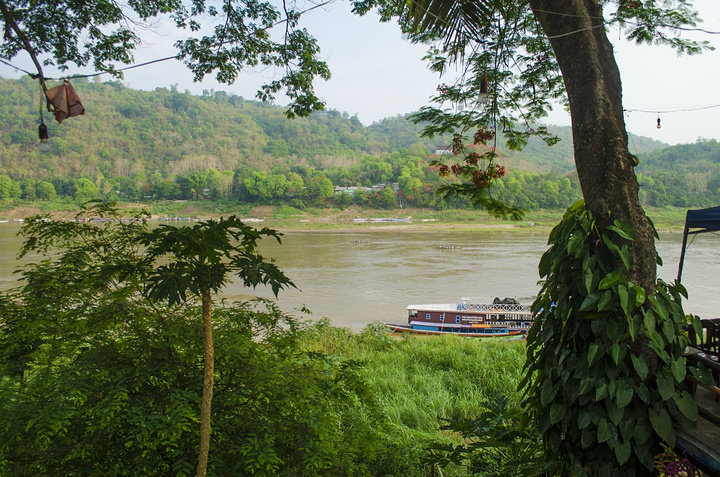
column 420, row 382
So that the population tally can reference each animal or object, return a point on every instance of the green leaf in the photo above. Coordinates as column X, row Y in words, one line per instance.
column 634, row 326
column 591, row 279
column 548, row 392
column 697, row 325
column 623, row 394
column 686, row 404
column 557, row 412
column 662, row 424
column 639, row 295
column 642, row 432
column 626, row 257
column 575, row 241
column 659, row 307
column 614, row 329
column 632, row 296
column 545, row 266
column 624, row 303
column 622, row 452
column 669, row 330
column 615, row 353
column 587, row 384
column 702, row 374
column 584, row 419
column 593, row 350
column 612, row 246
column 587, row 438
column 641, row 367
column 590, row 301
column 610, row 279
column 678, row 369
column 623, row 229
column 604, row 431
column 601, row 388
column 649, row 318
column 615, row 413
column 666, row 387
column 606, row 301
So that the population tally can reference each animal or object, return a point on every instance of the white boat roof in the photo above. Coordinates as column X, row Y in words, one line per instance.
column 445, row 306
column 473, row 304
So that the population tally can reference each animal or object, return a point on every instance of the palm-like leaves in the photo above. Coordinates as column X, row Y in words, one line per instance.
column 199, row 260
column 205, row 255
column 453, row 21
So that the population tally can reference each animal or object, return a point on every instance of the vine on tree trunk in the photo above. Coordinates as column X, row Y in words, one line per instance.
column 600, row 405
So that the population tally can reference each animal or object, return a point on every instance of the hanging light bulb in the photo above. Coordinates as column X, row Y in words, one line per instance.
column 44, row 144
column 483, row 96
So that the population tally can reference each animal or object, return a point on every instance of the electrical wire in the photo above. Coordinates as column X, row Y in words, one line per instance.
column 15, row 67
column 670, row 110
column 663, row 25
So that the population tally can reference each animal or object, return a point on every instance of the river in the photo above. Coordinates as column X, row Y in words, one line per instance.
column 358, row 277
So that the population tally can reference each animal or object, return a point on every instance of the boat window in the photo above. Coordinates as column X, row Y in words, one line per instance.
column 457, row 319
column 427, row 316
column 442, row 316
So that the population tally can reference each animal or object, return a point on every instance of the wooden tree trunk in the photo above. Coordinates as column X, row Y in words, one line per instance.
column 209, row 371
column 604, row 164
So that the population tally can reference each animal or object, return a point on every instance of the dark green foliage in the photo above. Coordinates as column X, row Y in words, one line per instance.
column 205, row 256
column 687, row 175
column 103, row 33
column 600, row 403
column 498, row 443
column 99, row 380
column 127, row 401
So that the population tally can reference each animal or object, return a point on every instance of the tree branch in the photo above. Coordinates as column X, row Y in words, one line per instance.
column 11, row 23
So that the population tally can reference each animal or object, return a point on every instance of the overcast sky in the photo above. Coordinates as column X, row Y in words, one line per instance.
column 376, row 74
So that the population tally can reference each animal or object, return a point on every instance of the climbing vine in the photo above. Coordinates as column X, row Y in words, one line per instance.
column 605, row 377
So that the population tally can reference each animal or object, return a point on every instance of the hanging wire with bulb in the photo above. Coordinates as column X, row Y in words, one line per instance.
column 658, row 123
column 44, row 144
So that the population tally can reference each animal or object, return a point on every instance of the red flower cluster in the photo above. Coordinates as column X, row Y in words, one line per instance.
column 473, row 158
column 483, row 178
column 457, row 146
column 482, row 136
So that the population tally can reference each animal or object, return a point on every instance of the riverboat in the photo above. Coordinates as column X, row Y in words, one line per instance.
column 471, row 317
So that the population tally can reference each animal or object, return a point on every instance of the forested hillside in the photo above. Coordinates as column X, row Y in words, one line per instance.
column 169, row 145
column 126, row 132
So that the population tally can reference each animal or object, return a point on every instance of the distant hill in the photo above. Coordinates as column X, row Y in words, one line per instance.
column 127, row 132
column 539, row 157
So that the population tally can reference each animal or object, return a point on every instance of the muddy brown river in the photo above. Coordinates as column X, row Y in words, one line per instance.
column 358, row 277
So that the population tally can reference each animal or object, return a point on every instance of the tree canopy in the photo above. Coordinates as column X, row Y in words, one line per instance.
column 220, row 40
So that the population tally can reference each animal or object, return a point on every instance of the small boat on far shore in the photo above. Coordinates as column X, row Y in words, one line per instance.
column 472, row 317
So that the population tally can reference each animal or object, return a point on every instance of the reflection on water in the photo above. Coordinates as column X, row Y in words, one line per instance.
column 355, row 278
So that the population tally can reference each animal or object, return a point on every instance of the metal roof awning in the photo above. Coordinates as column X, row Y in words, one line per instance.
column 702, row 220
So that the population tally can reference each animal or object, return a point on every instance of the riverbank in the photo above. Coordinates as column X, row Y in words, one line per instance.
column 286, row 218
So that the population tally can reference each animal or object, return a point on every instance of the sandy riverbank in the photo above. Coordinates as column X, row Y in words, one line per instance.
column 351, row 219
